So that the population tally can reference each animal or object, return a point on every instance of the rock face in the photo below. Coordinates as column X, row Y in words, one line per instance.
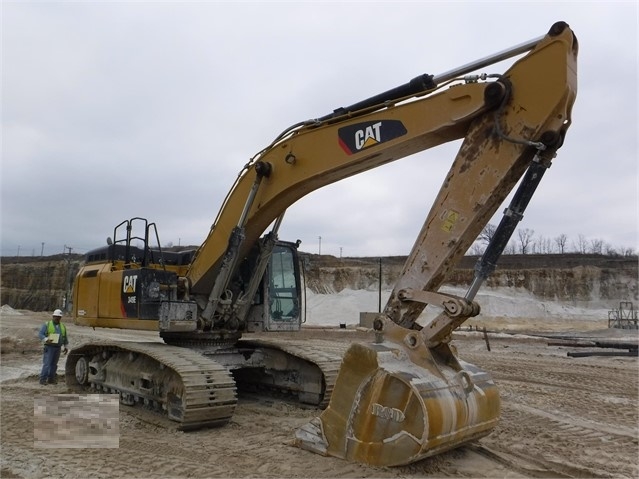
column 38, row 284
column 41, row 284
column 581, row 280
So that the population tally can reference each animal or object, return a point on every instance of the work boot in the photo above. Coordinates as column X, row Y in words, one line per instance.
column 53, row 381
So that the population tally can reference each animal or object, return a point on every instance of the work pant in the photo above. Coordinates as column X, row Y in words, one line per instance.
column 50, row 363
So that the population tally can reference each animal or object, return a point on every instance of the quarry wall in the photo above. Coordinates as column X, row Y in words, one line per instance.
column 585, row 280
column 42, row 284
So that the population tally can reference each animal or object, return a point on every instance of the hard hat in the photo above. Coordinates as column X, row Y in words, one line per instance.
column 58, row 313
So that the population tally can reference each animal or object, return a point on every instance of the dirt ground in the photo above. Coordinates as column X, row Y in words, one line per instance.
column 561, row 416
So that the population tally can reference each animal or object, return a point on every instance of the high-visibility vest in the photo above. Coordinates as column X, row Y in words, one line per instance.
column 51, row 330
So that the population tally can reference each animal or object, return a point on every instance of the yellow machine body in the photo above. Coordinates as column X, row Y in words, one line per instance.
column 407, row 395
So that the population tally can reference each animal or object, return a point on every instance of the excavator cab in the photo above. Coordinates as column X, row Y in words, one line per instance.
column 277, row 304
column 283, row 287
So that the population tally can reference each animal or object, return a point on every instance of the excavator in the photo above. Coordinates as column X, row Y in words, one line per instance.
column 406, row 394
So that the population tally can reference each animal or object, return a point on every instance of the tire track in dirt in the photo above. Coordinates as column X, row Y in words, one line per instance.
column 574, row 418
column 137, row 457
column 561, row 417
column 563, row 447
column 257, row 440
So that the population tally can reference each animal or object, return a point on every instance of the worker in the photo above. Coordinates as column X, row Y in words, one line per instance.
column 53, row 334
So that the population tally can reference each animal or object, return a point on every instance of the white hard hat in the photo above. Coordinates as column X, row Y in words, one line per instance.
column 58, row 313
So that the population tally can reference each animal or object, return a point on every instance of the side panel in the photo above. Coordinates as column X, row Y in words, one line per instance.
column 152, row 287
column 123, row 298
column 86, row 292
column 110, row 300
column 134, row 293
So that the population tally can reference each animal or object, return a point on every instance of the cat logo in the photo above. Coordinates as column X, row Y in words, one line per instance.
column 360, row 136
column 368, row 136
column 128, row 284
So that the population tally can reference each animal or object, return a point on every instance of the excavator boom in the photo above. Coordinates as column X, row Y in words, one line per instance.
column 533, row 98
column 318, row 154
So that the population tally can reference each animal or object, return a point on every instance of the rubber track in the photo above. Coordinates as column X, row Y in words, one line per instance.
column 209, row 395
column 326, row 355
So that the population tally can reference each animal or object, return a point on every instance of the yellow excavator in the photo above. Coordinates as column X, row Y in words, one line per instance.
column 406, row 395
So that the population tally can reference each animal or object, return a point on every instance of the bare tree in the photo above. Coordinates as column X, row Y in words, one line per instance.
column 525, row 239
column 596, row 246
column 560, row 241
column 610, row 251
column 476, row 249
column 582, row 244
column 488, row 233
column 544, row 246
column 559, row 244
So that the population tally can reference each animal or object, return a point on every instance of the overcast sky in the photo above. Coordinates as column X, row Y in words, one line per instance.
column 115, row 110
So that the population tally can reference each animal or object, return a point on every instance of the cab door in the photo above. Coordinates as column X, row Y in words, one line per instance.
column 282, row 289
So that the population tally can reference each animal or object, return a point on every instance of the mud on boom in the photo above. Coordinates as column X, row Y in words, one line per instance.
column 403, row 397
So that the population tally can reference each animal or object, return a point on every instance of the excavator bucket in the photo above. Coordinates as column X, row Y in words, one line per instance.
column 397, row 401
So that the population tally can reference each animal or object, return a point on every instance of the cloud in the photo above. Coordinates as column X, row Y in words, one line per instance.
column 115, row 110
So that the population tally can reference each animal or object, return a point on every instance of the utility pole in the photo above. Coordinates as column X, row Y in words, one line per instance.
column 320, row 245
column 42, row 250
column 18, row 250
column 340, row 252
column 66, row 293
column 379, row 300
